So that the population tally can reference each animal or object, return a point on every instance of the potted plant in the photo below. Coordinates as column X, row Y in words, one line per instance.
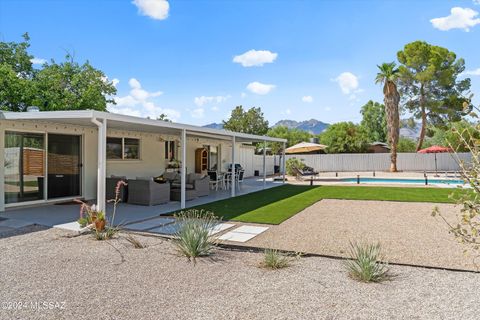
column 100, row 221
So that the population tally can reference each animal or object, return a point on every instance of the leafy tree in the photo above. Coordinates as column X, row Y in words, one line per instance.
column 374, row 121
column 16, row 72
column 388, row 75
column 71, row 86
column 64, row 86
column 406, row 145
column 251, row 121
column 163, row 117
column 344, row 137
column 455, row 136
column 429, row 86
column 293, row 137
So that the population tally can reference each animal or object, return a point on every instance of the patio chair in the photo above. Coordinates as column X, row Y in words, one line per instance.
column 111, row 184
column 300, row 174
column 215, row 179
column 197, row 182
column 147, row 192
column 239, row 178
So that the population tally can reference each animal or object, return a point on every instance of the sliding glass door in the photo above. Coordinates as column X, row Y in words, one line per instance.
column 64, row 166
column 24, row 166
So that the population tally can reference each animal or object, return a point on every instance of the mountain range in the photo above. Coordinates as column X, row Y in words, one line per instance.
column 315, row 127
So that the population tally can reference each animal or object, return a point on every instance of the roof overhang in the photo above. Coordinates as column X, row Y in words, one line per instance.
column 125, row 122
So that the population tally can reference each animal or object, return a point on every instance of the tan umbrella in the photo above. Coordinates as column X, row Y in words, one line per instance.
column 305, row 147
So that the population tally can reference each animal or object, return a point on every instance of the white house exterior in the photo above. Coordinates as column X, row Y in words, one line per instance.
column 101, row 144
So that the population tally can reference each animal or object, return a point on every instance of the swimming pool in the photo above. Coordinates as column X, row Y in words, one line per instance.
column 405, row 181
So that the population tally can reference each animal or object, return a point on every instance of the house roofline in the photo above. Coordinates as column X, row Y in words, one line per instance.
column 91, row 114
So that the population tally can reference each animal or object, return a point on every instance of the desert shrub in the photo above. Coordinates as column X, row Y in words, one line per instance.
column 364, row 264
column 105, row 234
column 293, row 163
column 193, row 237
column 275, row 259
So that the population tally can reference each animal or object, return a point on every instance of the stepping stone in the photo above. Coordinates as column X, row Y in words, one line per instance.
column 243, row 233
column 72, row 226
column 149, row 224
column 221, row 227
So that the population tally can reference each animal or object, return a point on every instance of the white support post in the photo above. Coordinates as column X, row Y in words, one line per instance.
column 264, row 164
column 2, row 172
column 183, row 173
column 283, row 162
column 233, row 168
column 101, row 163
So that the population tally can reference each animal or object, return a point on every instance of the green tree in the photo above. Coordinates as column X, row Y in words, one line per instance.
column 16, row 72
column 374, row 121
column 456, row 135
column 344, row 137
column 429, row 86
column 406, row 145
column 387, row 76
column 293, row 137
column 71, row 86
column 251, row 121
column 163, row 117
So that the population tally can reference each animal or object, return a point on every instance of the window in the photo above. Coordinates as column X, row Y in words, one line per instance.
column 170, row 150
column 123, row 148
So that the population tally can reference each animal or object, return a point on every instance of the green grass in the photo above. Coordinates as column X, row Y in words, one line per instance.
column 275, row 205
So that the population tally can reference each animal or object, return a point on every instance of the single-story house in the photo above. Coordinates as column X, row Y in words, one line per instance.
column 61, row 155
column 378, row 147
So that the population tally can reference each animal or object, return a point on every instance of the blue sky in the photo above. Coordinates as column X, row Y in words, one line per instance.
column 311, row 59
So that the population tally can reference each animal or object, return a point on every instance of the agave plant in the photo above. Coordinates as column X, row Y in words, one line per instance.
column 365, row 264
column 193, row 237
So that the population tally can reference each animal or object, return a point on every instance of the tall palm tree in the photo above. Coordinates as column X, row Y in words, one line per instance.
column 388, row 76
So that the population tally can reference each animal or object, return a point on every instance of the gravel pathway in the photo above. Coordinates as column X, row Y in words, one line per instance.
column 92, row 280
column 407, row 232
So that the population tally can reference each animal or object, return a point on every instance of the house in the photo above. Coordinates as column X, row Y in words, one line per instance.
column 378, row 147
column 61, row 155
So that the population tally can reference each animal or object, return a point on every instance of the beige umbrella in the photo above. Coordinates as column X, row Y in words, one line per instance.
column 305, row 147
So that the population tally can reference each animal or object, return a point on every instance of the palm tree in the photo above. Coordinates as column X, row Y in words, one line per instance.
column 388, row 77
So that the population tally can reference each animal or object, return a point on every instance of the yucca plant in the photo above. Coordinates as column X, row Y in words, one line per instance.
column 193, row 237
column 365, row 264
column 275, row 259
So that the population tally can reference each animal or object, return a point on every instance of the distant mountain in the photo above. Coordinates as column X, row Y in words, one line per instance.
column 214, row 125
column 407, row 131
column 313, row 126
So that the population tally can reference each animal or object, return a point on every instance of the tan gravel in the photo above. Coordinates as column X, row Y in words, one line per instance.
column 87, row 279
column 407, row 232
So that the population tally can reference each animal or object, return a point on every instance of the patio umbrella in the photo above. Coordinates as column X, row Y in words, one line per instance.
column 435, row 150
column 304, row 147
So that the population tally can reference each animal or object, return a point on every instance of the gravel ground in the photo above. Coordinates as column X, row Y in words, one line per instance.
column 407, row 232
column 112, row 280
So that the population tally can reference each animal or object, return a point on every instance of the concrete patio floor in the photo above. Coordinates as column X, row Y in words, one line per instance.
column 55, row 214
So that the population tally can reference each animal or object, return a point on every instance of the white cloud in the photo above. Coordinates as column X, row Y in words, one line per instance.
column 198, row 113
column 307, row 99
column 255, row 58
column 38, row 61
column 155, row 9
column 475, row 72
column 115, row 81
column 243, row 95
column 200, row 101
column 260, row 88
column 137, row 103
column 215, row 108
column 328, row 109
column 288, row 111
column 347, row 81
column 476, row 2
column 459, row 18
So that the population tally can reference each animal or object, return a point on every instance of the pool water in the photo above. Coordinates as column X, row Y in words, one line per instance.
column 414, row 181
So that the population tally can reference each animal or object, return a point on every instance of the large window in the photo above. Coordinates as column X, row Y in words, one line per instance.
column 123, row 148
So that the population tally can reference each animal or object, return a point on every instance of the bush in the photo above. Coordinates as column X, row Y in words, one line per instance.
column 274, row 259
column 293, row 163
column 365, row 263
column 193, row 237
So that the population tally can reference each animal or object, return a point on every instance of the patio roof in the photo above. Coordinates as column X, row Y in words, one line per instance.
column 124, row 122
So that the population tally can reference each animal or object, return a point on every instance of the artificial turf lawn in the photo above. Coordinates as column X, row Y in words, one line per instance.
column 275, row 205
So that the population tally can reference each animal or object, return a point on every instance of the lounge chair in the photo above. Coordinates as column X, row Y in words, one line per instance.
column 301, row 174
column 148, row 192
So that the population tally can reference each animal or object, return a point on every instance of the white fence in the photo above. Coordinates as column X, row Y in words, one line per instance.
column 381, row 161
